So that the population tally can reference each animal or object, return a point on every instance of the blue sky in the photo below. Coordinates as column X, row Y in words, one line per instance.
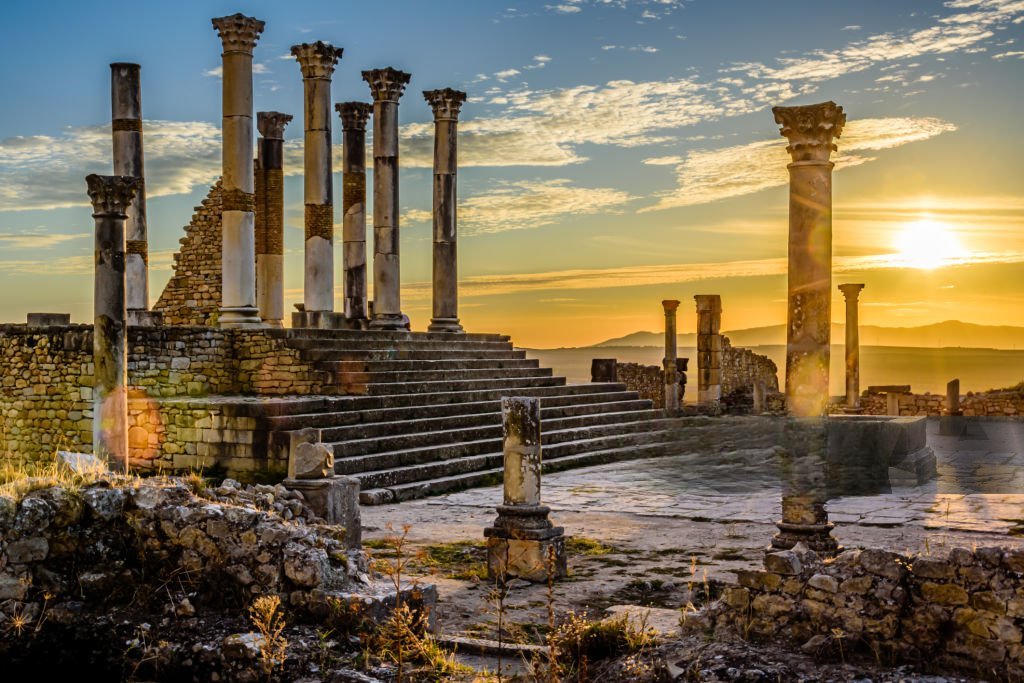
column 614, row 153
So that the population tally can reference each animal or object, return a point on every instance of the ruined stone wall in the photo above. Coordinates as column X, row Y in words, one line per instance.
column 983, row 404
column 741, row 368
column 964, row 610
column 646, row 380
column 193, row 294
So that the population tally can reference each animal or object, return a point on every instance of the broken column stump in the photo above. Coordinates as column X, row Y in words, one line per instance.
column 952, row 423
column 522, row 542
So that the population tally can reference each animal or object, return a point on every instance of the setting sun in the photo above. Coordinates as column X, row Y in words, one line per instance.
column 927, row 244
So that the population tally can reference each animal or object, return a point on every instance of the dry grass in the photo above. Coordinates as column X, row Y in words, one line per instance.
column 17, row 479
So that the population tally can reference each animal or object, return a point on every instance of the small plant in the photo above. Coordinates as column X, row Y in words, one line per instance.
column 578, row 640
column 265, row 615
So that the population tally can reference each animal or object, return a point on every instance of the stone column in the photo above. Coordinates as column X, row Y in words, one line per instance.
column 851, row 292
column 709, row 348
column 952, row 421
column 386, row 86
column 523, row 542
column 953, row 397
column 238, row 34
column 354, row 116
column 269, row 184
column 804, row 473
column 446, row 104
column 669, row 362
column 126, row 124
column 810, row 131
column 111, row 200
column 759, row 397
column 317, row 61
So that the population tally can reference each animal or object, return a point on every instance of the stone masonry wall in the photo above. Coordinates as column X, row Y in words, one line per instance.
column 741, row 368
column 646, row 380
column 984, row 404
column 964, row 610
column 193, row 294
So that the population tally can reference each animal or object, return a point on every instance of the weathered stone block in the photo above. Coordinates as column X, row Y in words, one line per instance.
column 944, row 593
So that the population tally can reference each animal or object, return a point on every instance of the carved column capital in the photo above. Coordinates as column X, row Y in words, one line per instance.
column 111, row 194
column 354, row 115
column 851, row 291
column 670, row 305
column 271, row 124
column 386, row 85
column 317, row 60
column 238, row 32
column 708, row 302
column 811, row 129
column 446, row 103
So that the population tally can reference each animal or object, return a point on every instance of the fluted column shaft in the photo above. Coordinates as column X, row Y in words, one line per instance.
column 238, row 257
column 269, row 219
column 669, row 363
column 810, row 131
column 851, row 293
column 710, row 348
column 354, row 116
column 446, row 104
column 111, row 198
column 387, row 86
column 126, row 124
column 317, row 61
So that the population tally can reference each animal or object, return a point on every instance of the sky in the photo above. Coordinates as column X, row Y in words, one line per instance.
column 613, row 153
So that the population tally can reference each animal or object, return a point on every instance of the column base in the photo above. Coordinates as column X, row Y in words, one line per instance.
column 320, row 320
column 336, row 499
column 445, row 325
column 240, row 317
column 278, row 324
column 390, row 321
column 817, row 537
column 141, row 317
column 953, row 424
column 853, row 410
column 524, row 544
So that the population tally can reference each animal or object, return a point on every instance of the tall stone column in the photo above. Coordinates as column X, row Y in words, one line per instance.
column 386, row 86
column 446, row 104
column 805, row 474
column 269, row 185
column 669, row 362
column 851, row 292
column 126, row 124
column 810, row 131
column 354, row 116
column 111, row 200
column 317, row 61
column 709, row 348
column 238, row 34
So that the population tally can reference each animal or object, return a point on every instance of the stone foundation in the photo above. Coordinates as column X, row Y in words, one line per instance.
column 981, row 404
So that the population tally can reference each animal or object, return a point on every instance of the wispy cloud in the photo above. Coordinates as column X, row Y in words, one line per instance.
column 710, row 175
column 37, row 239
column 1019, row 54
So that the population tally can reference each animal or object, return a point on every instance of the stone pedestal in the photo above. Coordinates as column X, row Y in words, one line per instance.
column 952, row 422
column 446, row 104
column 126, row 124
column 317, row 61
column 336, row 499
column 851, row 293
column 670, row 362
column 804, row 488
column 111, row 196
column 810, row 131
column 709, row 349
column 386, row 86
column 238, row 34
column 354, row 116
column 522, row 542
column 603, row 369
column 269, row 183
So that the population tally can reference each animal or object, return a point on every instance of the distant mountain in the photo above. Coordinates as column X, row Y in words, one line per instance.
column 951, row 333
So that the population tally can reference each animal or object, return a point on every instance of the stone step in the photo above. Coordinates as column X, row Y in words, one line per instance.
column 335, row 414
column 658, row 445
column 315, row 355
column 428, row 364
column 380, row 470
column 444, row 433
column 359, row 380
column 406, row 421
column 506, row 384
column 386, row 335
column 436, row 345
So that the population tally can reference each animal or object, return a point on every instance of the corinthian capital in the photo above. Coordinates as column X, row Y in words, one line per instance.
column 271, row 124
column 238, row 32
column 111, row 194
column 851, row 292
column 354, row 115
column 317, row 60
column 446, row 103
column 810, row 129
column 386, row 85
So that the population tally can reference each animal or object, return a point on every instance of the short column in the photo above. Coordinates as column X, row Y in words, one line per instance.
column 670, row 361
column 522, row 542
column 111, row 198
column 317, row 61
column 354, row 116
column 446, row 104
column 386, row 86
column 851, row 292
column 709, row 349
column 810, row 131
column 238, row 34
column 269, row 183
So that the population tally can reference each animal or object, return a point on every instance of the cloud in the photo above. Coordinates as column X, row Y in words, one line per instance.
column 1019, row 54
column 506, row 74
column 564, row 9
column 852, row 27
column 526, row 204
column 36, row 239
column 710, row 175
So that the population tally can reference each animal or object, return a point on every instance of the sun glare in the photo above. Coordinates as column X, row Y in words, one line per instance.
column 926, row 244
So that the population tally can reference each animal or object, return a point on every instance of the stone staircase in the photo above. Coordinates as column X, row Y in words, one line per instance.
column 418, row 414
